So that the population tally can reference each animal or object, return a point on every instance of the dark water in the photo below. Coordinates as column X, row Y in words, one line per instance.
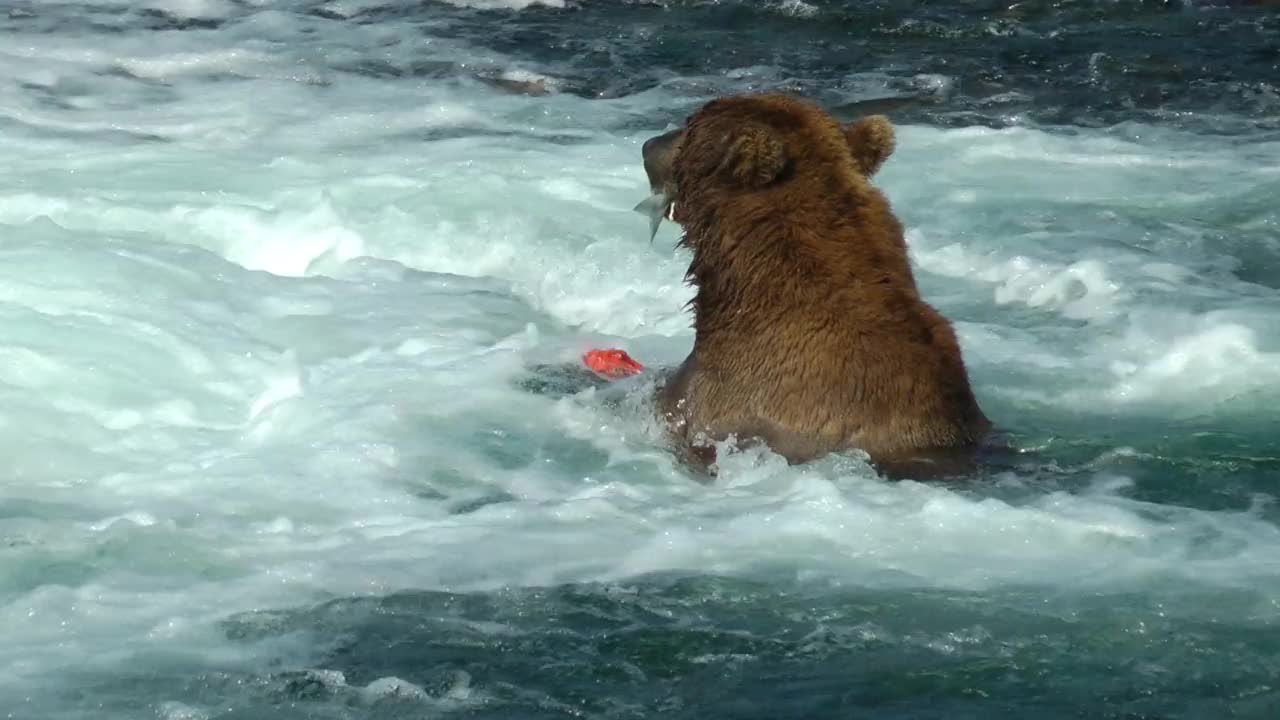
column 694, row 647
column 1205, row 66
column 702, row 647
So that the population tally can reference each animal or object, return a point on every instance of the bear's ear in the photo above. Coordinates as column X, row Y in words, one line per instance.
column 755, row 156
column 871, row 140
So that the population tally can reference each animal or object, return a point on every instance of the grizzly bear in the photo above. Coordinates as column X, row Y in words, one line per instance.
column 810, row 334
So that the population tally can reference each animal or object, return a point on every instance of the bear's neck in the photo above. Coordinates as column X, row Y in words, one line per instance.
column 777, row 278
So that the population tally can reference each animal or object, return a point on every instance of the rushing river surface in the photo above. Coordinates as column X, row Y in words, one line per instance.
column 273, row 275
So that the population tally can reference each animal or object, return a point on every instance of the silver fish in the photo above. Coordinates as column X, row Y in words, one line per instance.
column 656, row 207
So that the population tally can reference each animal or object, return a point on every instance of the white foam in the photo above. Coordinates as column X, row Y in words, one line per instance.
column 1219, row 361
column 506, row 4
column 195, row 9
column 180, row 711
column 393, row 689
column 797, row 8
column 175, row 64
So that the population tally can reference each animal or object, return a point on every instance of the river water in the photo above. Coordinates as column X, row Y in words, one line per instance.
column 274, row 277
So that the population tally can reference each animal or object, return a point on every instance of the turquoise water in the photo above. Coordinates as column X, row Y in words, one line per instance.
column 275, row 279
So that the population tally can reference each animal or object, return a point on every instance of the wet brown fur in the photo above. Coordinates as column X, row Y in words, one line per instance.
column 810, row 333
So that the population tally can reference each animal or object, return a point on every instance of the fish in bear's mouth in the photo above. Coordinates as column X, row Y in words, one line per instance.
column 659, row 154
column 656, row 207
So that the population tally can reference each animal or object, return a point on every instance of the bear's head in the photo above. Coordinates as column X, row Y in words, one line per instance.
column 752, row 143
